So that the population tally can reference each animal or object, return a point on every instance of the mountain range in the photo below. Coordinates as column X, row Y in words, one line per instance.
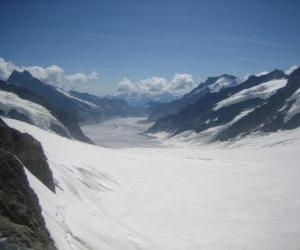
column 263, row 103
column 27, row 98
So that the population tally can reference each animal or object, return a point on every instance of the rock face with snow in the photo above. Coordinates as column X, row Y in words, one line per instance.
column 267, row 102
column 84, row 107
column 29, row 151
column 70, row 108
column 211, row 85
column 109, row 107
column 11, row 105
column 278, row 112
column 21, row 221
column 68, row 120
column 59, row 99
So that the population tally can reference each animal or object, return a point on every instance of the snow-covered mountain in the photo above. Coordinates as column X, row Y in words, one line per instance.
column 132, row 190
column 267, row 102
column 137, row 99
column 84, row 107
column 211, row 85
column 11, row 105
column 52, row 108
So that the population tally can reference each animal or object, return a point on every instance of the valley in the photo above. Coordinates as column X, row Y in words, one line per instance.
column 121, row 133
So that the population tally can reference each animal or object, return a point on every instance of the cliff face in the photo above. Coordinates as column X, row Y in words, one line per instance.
column 21, row 222
column 29, row 151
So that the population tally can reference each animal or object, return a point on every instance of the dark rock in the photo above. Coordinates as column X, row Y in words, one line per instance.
column 21, row 221
column 29, row 151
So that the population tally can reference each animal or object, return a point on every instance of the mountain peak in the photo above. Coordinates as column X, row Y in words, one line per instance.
column 227, row 76
column 16, row 75
column 223, row 81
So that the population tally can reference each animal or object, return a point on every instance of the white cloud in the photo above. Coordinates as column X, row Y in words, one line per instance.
column 156, row 85
column 6, row 67
column 181, row 81
column 126, row 85
column 53, row 74
column 81, row 77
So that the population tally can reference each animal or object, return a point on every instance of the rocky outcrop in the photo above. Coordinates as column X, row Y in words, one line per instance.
column 21, row 221
column 29, row 151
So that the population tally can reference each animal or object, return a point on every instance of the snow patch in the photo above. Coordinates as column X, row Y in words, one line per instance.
column 263, row 91
column 291, row 69
column 295, row 108
column 36, row 113
column 221, row 83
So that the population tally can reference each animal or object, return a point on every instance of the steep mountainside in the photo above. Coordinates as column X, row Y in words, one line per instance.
column 259, row 103
column 82, row 107
column 109, row 107
column 280, row 111
column 21, row 221
column 29, row 151
column 20, row 112
column 212, row 84
column 82, row 110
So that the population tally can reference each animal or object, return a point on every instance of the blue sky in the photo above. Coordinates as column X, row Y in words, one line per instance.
column 138, row 39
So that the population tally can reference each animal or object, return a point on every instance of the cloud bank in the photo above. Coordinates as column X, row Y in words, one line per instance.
column 156, row 85
column 53, row 74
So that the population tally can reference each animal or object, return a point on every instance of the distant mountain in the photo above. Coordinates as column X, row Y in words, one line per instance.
column 13, row 106
column 211, row 85
column 69, row 108
column 82, row 110
column 263, row 103
column 109, row 107
column 136, row 99
column 22, row 104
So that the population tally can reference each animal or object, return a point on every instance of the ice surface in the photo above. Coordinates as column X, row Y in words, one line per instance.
column 182, row 196
column 120, row 133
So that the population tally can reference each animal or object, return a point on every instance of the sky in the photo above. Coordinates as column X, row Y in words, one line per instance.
column 160, row 45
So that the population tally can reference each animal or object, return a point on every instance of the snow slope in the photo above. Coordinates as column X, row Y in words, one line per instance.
column 263, row 91
column 37, row 114
column 223, row 82
column 176, row 197
column 295, row 108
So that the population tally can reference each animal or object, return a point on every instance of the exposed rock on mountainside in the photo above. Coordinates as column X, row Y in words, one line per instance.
column 29, row 151
column 109, row 107
column 273, row 115
column 261, row 103
column 71, row 108
column 21, row 222
column 68, row 120
column 212, row 84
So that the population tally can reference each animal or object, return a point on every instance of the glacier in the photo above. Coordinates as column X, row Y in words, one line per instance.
column 170, row 194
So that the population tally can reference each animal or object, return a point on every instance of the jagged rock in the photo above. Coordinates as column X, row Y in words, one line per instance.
column 21, row 221
column 29, row 151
